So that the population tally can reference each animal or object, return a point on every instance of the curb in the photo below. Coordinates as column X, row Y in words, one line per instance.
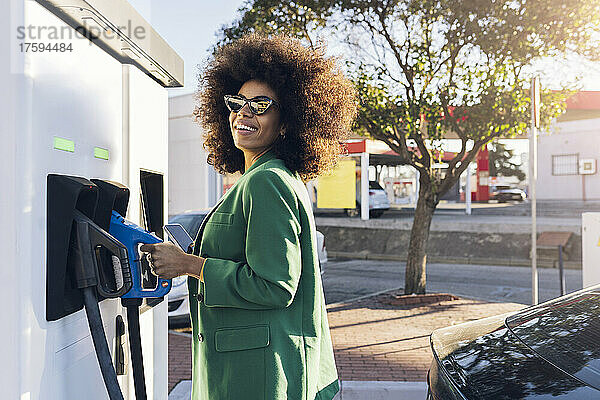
column 349, row 390
column 181, row 391
column 185, row 334
column 507, row 262
column 462, row 296
column 364, row 296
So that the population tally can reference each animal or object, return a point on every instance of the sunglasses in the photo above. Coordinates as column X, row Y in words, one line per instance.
column 257, row 105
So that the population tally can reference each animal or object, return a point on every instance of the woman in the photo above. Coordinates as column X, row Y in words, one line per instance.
column 275, row 111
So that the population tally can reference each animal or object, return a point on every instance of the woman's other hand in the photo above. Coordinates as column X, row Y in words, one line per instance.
column 169, row 261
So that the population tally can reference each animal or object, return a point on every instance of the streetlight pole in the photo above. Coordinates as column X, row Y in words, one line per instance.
column 535, row 123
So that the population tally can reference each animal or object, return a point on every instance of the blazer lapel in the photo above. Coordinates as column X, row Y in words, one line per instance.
column 194, row 283
column 198, row 239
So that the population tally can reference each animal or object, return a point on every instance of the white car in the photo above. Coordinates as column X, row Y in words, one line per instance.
column 378, row 201
column 179, row 308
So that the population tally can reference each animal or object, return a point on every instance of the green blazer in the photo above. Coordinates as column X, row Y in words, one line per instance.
column 259, row 322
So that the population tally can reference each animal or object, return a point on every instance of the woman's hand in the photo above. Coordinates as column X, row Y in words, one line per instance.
column 168, row 261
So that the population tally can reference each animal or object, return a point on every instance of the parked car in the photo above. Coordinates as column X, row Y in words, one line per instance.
column 502, row 195
column 378, row 201
column 551, row 350
column 179, row 309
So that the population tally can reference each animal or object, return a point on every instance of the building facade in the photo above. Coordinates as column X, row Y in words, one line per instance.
column 568, row 154
column 193, row 184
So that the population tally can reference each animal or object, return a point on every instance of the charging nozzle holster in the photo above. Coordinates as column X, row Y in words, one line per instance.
column 93, row 253
column 80, row 253
column 88, row 258
column 89, row 243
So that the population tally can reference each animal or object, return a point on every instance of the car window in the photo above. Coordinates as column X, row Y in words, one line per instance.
column 374, row 185
column 190, row 222
column 196, row 225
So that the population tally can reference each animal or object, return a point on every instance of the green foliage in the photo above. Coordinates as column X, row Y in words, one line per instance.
column 298, row 19
column 501, row 164
column 433, row 69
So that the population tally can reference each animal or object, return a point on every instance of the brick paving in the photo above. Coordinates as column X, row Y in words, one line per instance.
column 378, row 338
column 383, row 338
column 180, row 358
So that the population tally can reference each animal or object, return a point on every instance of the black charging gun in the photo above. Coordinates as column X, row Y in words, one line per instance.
column 91, row 247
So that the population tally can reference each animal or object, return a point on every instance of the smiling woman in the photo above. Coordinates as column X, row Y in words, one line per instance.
column 316, row 103
column 276, row 112
column 255, row 123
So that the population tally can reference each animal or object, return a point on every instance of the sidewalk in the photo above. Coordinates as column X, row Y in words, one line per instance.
column 180, row 358
column 454, row 221
column 384, row 338
column 377, row 338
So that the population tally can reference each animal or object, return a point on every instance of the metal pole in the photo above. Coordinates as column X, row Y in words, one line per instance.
column 533, row 200
column 364, row 186
column 468, row 192
column 561, row 272
column 532, row 194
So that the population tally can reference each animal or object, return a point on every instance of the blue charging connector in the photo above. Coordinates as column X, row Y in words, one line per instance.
column 144, row 284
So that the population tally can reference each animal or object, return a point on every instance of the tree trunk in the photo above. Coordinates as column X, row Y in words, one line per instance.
column 414, row 281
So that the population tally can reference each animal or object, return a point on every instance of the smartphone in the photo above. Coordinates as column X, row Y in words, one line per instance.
column 178, row 235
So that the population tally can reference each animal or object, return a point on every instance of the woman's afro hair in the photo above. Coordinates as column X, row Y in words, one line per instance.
column 318, row 103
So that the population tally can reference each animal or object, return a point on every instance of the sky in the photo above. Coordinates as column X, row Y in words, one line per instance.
column 190, row 27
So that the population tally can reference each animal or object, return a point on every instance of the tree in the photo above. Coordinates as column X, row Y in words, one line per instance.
column 501, row 164
column 301, row 19
column 431, row 69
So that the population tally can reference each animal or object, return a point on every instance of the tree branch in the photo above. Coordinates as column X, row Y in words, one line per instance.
column 451, row 178
column 425, row 155
column 459, row 156
column 444, row 98
column 403, row 150
column 408, row 73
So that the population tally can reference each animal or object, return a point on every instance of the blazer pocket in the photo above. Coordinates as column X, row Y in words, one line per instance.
column 241, row 361
column 246, row 338
column 221, row 218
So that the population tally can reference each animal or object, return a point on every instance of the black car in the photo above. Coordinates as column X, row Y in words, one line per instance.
column 508, row 194
column 191, row 221
column 551, row 350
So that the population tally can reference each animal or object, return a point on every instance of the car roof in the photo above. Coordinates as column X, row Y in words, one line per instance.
column 192, row 212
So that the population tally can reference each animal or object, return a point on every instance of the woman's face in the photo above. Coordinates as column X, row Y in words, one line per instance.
column 253, row 134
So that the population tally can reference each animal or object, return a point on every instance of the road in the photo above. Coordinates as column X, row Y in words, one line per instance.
column 347, row 279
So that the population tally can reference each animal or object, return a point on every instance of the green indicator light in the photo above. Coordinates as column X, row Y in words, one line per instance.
column 99, row 152
column 64, row 144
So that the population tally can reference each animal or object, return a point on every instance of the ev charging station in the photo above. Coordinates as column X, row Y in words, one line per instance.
column 88, row 114
column 590, row 240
